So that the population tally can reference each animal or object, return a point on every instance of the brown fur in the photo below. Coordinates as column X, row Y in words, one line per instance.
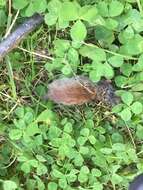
column 79, row 90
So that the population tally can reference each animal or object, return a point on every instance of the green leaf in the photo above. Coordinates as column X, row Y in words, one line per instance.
column 54, row 132
column 111, row 24
column 46, row 116
column 106, row 150
column 33, row 163
column 40, row 183
column 50, row 19
column 66, row 70
column 137, row 107
column 117, row 108
column 63, row 183
column 90, row 122
column 108, row 71
column 73, row 55
column 68, row 127
column 127, row 98
column 54, row 7
column 71, row 177
column 116, row 179
column 57, row 173
column 31, row 184
column 115, row 8
column 139, row 77
column 78, row 161
column 28, row 117
column 96, row 172
column 81, row 140
column 18, row 4
column 85, row 132
column 119, row 147
column 138, row 87
column 116, row 61
column 84, row 150
column 29, row 10
column 98, row 186
column 104, row 34
column 95, row 75
column 52, row 186
column 64, row 150
column 84, row 169
column 98, row 161
column 76, row 44
column 132, row 154
column 3, row 18
column 60, row 47
column 133, row 46
column 15, row 134
column 125, row 114
column 78, row 31
column 88, row 13
column 41, row 169
column 40, row 158
column 139, row 65
column 22, row 158
column 32, row 129
column 96, row 54
column 9, row 185
column 2, row 3
column 36, row 7
column 82, row 178
column 25, row 167
column 117, row 137
column 120, row 81
column 20, row 124
column 69, row 11
column 139, row 132
column 62, row 24
column 20, row 112
column 103, row 8
column 39, row 6
column 97, row 71
column 126, row 69
column 92, row 139
column 126, row 35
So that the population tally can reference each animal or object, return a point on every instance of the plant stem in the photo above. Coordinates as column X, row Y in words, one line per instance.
column 11, row 77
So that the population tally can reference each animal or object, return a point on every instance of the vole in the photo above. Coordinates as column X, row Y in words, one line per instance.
column 79, row 90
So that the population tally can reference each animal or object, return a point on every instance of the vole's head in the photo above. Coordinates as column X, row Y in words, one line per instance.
column 106, row 93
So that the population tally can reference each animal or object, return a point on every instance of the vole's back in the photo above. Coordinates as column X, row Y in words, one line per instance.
column 71, row 91
column 79, row 90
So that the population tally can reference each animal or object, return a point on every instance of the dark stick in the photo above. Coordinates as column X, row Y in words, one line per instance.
column 137, row 183
column 16, row 36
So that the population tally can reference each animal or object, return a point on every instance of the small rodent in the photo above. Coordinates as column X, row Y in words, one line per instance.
column 137, row 183
column 79, row 90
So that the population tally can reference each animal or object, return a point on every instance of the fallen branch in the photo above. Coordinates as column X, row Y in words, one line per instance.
column 16, row 36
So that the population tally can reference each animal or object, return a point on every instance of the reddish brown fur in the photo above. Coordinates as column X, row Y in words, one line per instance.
column 80, row 90
column 71, row 91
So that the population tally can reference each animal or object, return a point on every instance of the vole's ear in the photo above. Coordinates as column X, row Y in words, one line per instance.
column 71, row 91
